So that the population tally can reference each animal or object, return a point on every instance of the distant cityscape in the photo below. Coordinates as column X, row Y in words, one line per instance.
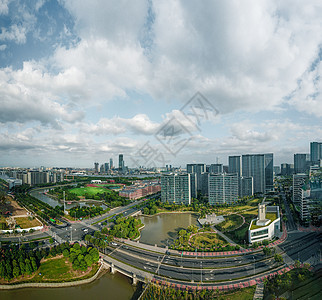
column 245, row 176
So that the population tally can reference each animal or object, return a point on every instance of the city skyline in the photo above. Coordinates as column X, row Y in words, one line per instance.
column 82, row 84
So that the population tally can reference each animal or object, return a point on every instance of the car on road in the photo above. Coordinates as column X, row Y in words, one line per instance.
column 114, row 244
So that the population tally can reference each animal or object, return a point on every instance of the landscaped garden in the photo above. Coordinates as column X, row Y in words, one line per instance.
column 204, row 239
column 231, row 223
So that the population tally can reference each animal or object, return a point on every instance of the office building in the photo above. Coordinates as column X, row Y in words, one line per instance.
column 287, row 169
column 234, row 165
column 121, row 163
column 111, row 163
column 175, row 188
column 260, row 167
column 315, row 152
column 106, row 167
column 96, row 166
column 216, row 168
column 301, row 163
column 246, row 186
column 193, row 185
column 204, row 183
column 277, row 170
column 222, row 188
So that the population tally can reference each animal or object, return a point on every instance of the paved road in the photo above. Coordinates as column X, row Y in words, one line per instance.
column 290, row 224
column 196, row 269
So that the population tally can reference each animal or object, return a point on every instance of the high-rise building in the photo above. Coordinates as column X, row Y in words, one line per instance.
column 234, row 165
column 111, row 163
column 121, row 162
column 315, row 152
column 301, row 162
column 222, row 188
column 102, row 169
column 96, row 166
column 246, row 186
column 269, row 174
column 287, row 169
column 193, row 185
column 204, row 183
column 106, row 167
column 216, row 168
column 298, row 181
column 175, row 188
column 198, row 169
column 277, row 170
column 260, row 167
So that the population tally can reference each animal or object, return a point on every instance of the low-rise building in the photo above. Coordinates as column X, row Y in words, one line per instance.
column 266, row 226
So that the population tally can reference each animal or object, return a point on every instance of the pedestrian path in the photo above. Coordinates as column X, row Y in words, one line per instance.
column 259, row 292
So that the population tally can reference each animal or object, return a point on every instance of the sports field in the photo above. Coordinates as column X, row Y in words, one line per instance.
column 88, row 190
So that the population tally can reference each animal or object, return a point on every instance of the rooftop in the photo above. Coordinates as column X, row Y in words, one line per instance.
column 272, row 216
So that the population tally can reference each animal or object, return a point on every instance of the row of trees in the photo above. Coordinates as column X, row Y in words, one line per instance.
column 154, row 291
column 43, row 209
column 86, row 211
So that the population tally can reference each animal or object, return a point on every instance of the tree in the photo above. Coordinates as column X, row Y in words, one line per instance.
column 66, row 252
column 51, row 240
column 278, row 258
column 95, row 254
column 267, row 251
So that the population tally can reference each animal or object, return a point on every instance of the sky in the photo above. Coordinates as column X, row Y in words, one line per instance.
column 162, row 82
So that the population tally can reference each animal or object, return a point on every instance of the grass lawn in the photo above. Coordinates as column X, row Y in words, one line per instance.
column 88, row 190
column 207, row 240
column 60, row 269
column 25, row 222
column 231, row 222
column 242, row 294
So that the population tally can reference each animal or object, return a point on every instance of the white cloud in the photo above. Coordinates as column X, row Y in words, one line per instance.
column 139, row 124
column 3, row 47
column 4, row 7
column 14, row 33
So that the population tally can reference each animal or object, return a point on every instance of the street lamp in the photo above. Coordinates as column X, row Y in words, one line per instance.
column 254, row 265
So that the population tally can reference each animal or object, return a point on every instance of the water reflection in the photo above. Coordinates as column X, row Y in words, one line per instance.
column 162, row 229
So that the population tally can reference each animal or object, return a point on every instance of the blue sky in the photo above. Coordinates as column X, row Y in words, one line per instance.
column 82, row 81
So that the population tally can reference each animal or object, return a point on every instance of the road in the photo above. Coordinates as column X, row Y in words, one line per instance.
column 193, row 269
column 290, row 224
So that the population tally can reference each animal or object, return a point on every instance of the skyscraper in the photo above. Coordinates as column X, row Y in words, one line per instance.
column 111, row 163
column 216, row 168
column 121, row 162
column 96, row 165
column 198, row 169
column 301, row 163
column 222, row 188
column 175, row 188
column 260, row 167
column 234, row 165
column 269, row 172
column 316, row 152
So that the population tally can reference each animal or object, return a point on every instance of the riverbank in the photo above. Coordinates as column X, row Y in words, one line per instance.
column 102, row 270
